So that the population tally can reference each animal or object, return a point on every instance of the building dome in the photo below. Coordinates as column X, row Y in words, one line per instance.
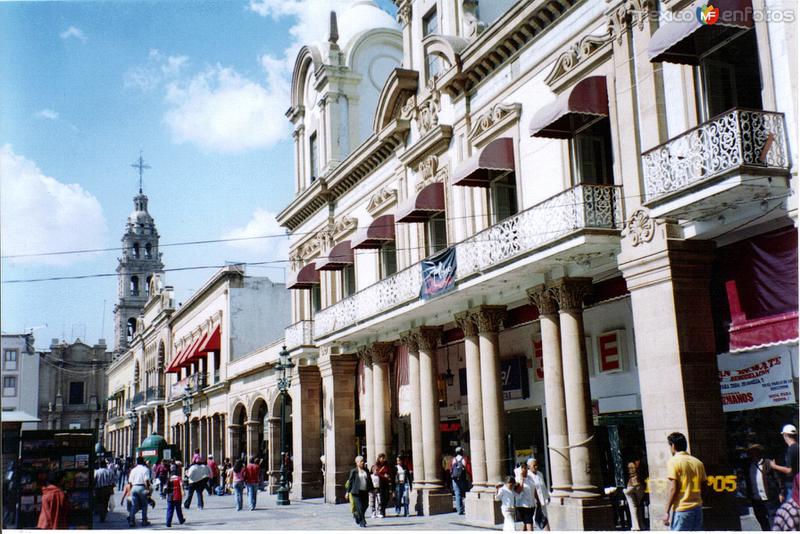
column 360, row 16
column 140, row 215
column 154, row 441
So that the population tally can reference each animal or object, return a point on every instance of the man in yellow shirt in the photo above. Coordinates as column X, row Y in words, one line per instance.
column 687, row 478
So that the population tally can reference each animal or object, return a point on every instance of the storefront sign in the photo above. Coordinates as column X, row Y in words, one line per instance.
column 609, row 351
column 514, row 378
column 438, row 274
column 450, row 426
column 755, row 381
column 538, row 361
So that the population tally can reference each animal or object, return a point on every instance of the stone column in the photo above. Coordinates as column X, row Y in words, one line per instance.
column 411, row 342
column 569, row 293
column 306, row 391
column 555, row 403
column 368, row 410
column 477, row 451
column 252, row 428
column 234, row 431
column 668, row 279
column 488, row 320
column 273, row 468
column 381, row 356
column 338, row 414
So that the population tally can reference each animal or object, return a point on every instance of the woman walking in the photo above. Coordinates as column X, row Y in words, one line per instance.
column 237, row 483
column 402, row 487
column 359, row 486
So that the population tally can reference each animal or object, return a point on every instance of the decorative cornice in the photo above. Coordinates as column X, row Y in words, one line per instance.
column 435, row 142
column 466, row 322
column 492, row 120
column 577, row 53
column 570, row 293
column 489, row 319
column 627, row 15
column 640, row 228
column 541, row 297
column 381, row 200
column 344, row 226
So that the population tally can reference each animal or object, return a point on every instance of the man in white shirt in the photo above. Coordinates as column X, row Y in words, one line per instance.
column 540, row 514
column 139, row 479
column 764, row 485
column 198, row 475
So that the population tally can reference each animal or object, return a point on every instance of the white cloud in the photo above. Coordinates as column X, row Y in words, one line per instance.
column 159, row 69
column 223, row 111
column 73, row 33
column 40, row 214
column 262, row 223
column 46, row 113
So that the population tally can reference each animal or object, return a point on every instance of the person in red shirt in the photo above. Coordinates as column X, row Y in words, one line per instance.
column 381, row 469
column 54, row 505
column 213, row 480
column 251, row 473
column 175, row 496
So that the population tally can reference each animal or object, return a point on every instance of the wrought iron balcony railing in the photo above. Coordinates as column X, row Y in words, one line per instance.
column 299, row 334
column 195, row 383
column 155, row 393
column 139, row 398
column 734, row 139
column 583, row 207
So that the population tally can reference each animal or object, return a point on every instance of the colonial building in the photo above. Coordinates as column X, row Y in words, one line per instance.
column 20, row 374
column 540, row 236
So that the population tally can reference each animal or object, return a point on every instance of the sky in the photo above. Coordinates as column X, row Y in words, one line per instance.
column 200, row 88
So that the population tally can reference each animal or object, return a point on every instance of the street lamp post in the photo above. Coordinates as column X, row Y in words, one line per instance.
column 132, row 420
column 187, row 411
column 284, row 366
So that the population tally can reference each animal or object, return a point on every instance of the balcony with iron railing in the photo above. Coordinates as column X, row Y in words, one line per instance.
column 583, row 209
column 732, row 158
column 299, row 334
column 139, row 398
column 195, row 382
column 154, row 394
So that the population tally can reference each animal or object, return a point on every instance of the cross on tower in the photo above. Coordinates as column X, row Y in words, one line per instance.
column 141, row 166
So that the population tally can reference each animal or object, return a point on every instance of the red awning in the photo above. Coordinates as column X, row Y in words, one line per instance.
column 188, row 356
column 173, row 366
column 379, row 232
column 480, row 169
column 212, row 342
column 582, row 104
column 306, row 277
column 686, row 39
column 337, row 258
column 422, row 206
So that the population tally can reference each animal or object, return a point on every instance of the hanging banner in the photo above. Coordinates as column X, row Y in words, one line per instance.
column 755, row 381
column 438, row 274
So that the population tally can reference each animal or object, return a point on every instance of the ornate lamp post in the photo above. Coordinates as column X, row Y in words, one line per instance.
column 187, row 411
column 132, row 420
column 284, row 366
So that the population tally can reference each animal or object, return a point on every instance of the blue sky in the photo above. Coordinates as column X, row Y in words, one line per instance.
column 198, row 87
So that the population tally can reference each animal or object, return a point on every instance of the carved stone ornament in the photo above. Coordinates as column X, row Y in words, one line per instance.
column 466, row 322
column 409, row 339
column 364, row 354
column 473, row 26
column 640, row 228
column 427, row 168
column 384, row 198
column 343, row 226
column 382, row 352
column 570, row 293
column 489, row 318
column 541, row 297
column 428, row 337
column 404, row 12
column 427, row 113
column 491, row 118
column 630, row 13
column 576, row 54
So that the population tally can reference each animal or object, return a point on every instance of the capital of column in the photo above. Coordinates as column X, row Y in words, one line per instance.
column 466, row 322
column 231, row 427
column 339, row 365
column 364, row 353
column 428, row 337
column 409, row 339
column 250, row 424
column 382, row 352
column 404, row 12
column 488, row 319
column 570, row 292
column 541, row 297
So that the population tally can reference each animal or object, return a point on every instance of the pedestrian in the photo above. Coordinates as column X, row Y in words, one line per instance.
column 103, row 489
column 161, row 473
column 402, row 485
column 251, row 477
column 174, row 496
column 214, row 474
column 359, row 486
column 138, row 486
column 236, row 481
column 122, row 473
column 506, row 494
column 764, row 487
column 381, row 480
column 526, row 496
column 634, row 493
column 787, row 517
column 687, row 477
column 789, row 467
column 55, row 507
column 540, row 513
column 196, row 456
column 459, row 472
column 198, row 480
column 447, row 464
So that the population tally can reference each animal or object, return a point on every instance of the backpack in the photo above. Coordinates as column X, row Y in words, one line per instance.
column 458, row 471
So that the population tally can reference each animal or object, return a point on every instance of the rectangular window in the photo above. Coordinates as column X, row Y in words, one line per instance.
column 503, row 191
column 388, row 260
column 313, row 156
column 10, row 360
column 9, row 386
column 348, row 281
column 76, row 393
column 430, row 23
column 316, row 298
column 591, row 154
column 435, row 234
column 730, row 77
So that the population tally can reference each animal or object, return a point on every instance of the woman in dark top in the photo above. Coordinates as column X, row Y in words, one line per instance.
column 359, row 485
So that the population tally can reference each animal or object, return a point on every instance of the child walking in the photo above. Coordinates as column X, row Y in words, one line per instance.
column 506, row 494
column 175, row 496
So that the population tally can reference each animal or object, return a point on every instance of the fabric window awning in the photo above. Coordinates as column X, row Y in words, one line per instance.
column 306, row 278
column 186, row 358
column 197, row 351
column 212, row 342
column 579, row 106
column 479, row 170
column 379, row 232
column 337, row 258
column 174, row 366
column 686, row 39
column 426, row 203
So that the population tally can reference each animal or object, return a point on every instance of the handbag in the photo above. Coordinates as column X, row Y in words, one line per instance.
column 111, row 504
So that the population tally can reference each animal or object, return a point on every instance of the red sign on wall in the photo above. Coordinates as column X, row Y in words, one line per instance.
column 610, row 349
column 538, row 363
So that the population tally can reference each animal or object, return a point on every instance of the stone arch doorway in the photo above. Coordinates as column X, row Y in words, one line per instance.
column 238, row 435
column 275, row 456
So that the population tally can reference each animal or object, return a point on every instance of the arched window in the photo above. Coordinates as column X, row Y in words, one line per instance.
column 148, row 251
column 136, row 250
column 134, row 286
column 131, row 328
column 147, row 286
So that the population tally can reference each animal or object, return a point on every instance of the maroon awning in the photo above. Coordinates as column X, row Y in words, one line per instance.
column 422, row 206
column 686, row 39
column 478, row 171
column 586, row 101
column 337, row 258
column 306, row 277
column 379, row 232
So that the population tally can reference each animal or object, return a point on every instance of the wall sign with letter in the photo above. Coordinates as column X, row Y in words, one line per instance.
column 610, row 352
column 755, row 380
column 538, row 361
